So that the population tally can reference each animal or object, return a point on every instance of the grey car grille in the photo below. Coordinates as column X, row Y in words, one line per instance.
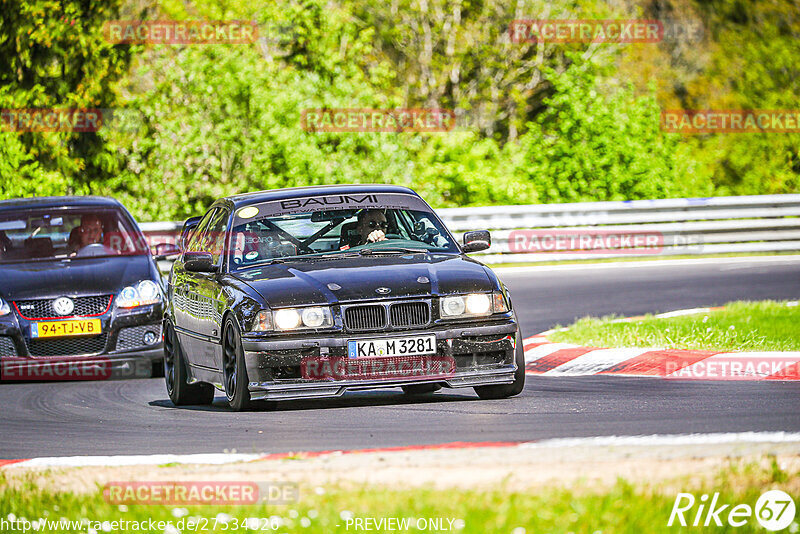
column 7, row 347
column 43, row 308
column 133, row 337
column 68, row 346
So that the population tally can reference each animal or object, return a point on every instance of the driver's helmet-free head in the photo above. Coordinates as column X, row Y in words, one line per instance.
column 89, row 232
column 370, row 220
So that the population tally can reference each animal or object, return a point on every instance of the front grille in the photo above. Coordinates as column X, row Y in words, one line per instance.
column 412, row 314
column 7, row 347
column 43, row 308
column 365, row 317
column 67, row 346
column 409, row 314
column 133, row 337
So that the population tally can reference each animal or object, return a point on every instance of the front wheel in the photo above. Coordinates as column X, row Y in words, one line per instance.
column 180, row 392
column 508, row 390
column 233, row 368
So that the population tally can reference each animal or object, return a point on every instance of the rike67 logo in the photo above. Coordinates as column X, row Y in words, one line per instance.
column 774, row 510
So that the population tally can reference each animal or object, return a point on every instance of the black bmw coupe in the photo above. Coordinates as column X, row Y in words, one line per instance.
column 310, row 292
column 78, row 286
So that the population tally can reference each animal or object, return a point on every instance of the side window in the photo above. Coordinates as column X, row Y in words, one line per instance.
column 217, row 233
column 197, row 241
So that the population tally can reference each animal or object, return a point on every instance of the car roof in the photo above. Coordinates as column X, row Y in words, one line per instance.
column 59, row 202
column 296, row 192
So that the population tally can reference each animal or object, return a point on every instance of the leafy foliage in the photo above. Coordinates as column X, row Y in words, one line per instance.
column 536, row 122
column 53, row 55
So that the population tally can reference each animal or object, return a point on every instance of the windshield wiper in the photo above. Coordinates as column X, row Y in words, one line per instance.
column 342, row 254
column 393, row 250
column 266, row 261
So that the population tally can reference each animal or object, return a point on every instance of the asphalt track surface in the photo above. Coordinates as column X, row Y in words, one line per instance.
column 136, row 416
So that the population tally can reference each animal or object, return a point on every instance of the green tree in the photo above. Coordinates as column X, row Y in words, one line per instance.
column 53, row 55
column 591, row 146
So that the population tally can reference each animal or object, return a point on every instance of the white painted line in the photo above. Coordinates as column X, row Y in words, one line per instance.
column 531, row 355
column 680, row 313
column 594, row 362
column 153, row 459
column 217, row 459
column 668, row 439
column 646, row 263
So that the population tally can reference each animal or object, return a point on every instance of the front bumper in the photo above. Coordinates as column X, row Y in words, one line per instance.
column 481, row 354
column 119, row 351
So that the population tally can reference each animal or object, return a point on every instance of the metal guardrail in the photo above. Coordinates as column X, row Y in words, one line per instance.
column 586, row 230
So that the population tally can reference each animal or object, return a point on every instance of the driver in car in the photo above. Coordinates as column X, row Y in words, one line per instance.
column 89, row 232
column 371, row 226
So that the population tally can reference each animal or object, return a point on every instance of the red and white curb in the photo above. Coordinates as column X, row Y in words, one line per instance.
column 229, row 458
column 543, row 357
column 555, row 443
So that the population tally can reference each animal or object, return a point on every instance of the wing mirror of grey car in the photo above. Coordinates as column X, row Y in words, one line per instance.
column 200, row 262
column 165, row 250
column 476, row 241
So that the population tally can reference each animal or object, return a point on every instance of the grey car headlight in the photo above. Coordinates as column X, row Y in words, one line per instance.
column 293, row 319
column 472, row 305
column 5, row 309
column 144, row 293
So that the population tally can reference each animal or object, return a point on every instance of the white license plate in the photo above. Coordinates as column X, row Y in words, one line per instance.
column 396, row 346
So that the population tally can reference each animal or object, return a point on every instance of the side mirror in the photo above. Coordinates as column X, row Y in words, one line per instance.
column 186, row 232
column 165, row 250
column 476, row 241
column 199, row 262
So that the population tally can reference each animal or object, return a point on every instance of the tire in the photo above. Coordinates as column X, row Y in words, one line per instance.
column 420, row 389
column 234, row 372
column 181, row 393
column 503, row 391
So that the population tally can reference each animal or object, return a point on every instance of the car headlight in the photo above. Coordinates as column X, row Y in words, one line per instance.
column 5, row 309
column 472, row 305
column 293, row 319
column 141, row 294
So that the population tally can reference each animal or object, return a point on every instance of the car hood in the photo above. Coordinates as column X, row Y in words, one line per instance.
column 86, row 276
column 359, row 278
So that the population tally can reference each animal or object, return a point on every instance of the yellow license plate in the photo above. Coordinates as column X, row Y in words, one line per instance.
column 89, row 327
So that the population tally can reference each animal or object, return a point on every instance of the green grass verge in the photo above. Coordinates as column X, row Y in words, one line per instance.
column 621, row 509
column 741, row 326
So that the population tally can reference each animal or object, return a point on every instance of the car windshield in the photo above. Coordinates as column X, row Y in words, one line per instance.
column 56, row 233
column 309, row 234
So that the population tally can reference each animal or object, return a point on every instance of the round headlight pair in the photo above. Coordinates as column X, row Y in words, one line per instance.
column 144, row 293
column 313, row 317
